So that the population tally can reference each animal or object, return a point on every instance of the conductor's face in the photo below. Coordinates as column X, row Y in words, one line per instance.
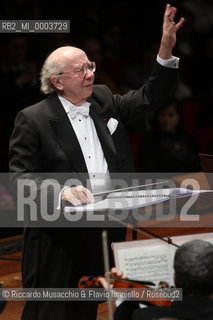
column 75, row 80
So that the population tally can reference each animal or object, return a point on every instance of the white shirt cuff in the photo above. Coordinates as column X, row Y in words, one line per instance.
column 169, row 63
column 59, row 197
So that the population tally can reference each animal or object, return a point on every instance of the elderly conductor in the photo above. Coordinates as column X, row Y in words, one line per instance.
column 67, row 132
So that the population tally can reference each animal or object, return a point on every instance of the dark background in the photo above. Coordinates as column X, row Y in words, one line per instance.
column 123, row 38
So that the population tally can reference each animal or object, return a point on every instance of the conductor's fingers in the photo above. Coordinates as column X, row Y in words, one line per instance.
column 180, row 23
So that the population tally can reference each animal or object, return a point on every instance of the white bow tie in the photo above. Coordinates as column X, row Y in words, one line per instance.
column 83, row 109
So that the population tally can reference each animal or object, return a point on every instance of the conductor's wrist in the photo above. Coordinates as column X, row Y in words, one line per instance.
column 165, row 50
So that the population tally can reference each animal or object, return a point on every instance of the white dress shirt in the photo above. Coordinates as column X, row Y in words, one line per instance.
column 90, row 145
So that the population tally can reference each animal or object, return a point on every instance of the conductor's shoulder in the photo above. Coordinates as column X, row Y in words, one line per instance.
column 41, row 107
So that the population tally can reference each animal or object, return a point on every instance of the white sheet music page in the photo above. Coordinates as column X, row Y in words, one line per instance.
column 125, row 200
column 128, row 200
column 151, row 260
column 183, row 192
column 147, row 260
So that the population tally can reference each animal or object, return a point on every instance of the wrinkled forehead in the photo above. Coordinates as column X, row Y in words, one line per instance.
column 73, row 58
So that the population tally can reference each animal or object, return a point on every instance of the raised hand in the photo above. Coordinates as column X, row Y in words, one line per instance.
column 170, row 28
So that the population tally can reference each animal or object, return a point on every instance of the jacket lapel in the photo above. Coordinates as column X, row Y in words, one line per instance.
column 68, row 141
column 97, row 114
column 65, row 135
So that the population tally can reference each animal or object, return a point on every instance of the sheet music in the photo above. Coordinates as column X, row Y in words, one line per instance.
column 153, row 193
column 182, row 192
column 142, row 263
column 151, row 260
column 127, row 200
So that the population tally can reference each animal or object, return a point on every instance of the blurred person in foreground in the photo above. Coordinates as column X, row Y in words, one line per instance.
column 69, row 133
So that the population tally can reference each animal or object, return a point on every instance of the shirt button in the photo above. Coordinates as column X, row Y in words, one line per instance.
column 89, row 157
column 79, row 120
column 85, row 138
column 93, row 175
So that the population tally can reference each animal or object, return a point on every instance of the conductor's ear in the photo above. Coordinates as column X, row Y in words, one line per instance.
column 56, row 82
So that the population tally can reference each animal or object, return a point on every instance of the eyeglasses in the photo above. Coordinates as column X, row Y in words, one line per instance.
column 81, row 71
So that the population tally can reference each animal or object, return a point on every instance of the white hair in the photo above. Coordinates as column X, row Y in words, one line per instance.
column 49, row 68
